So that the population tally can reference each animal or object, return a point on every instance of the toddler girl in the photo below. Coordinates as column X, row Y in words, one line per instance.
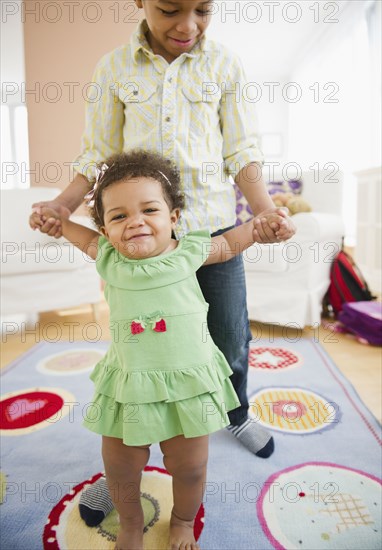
column 162, row 379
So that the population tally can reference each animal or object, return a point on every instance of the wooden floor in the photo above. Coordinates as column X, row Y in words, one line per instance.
column 361, row 364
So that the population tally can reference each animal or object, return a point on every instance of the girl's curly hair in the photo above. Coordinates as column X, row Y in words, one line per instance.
column 134, row 164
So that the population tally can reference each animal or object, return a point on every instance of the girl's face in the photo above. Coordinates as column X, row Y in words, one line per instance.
column 137, row 219
column 175, row 26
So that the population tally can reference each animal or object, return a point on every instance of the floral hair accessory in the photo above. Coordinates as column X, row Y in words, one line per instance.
column 100, row 172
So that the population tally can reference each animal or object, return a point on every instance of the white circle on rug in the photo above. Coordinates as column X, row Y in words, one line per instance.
column 272, row 359
column 322, row 506
column 67, row 363
column 293, row 410
column 25, row 411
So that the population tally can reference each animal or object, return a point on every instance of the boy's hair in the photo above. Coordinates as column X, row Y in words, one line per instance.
column 134, row 164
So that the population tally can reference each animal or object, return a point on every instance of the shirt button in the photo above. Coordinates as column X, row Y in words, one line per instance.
column 170, row 79
column 168, row 119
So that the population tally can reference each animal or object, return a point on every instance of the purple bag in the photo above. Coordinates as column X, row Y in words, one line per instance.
column 364, row 319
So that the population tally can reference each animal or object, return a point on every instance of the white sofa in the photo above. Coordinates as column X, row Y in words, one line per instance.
column 287, row 281
column 40, row 273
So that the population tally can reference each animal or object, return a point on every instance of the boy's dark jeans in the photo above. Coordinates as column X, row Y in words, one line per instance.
column 223, row 287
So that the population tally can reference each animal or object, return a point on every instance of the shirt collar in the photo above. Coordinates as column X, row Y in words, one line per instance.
column 139, row 43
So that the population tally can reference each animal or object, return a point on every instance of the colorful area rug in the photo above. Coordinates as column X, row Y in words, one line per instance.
column 321, row 488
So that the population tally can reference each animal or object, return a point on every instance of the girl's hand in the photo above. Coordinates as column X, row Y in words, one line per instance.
column 287, row 229
column 46, row 217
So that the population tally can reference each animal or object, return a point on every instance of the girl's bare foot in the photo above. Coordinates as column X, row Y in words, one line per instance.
column 182, row 534
column 130, row 535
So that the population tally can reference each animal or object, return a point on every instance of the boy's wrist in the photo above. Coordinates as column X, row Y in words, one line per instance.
column 69, row 204
column 72, row 197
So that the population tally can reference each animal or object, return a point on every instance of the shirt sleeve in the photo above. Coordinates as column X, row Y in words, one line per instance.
column 238, row 122
column 104, row 120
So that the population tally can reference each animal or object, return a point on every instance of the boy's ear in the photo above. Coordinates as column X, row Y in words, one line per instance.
column 175, row 215
column 104, row 232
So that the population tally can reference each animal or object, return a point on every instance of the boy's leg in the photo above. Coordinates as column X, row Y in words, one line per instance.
column 123, row 466
column 186, row 460
column 223, row 286
column 95, row 503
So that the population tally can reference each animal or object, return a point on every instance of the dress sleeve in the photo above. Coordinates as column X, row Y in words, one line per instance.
column 196, row 247
column 106, row 256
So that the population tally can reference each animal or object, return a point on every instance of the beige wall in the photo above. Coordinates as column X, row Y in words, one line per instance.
column 62, row 45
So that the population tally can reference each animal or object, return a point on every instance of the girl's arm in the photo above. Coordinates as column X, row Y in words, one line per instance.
column 82, row 237
column 233, row 242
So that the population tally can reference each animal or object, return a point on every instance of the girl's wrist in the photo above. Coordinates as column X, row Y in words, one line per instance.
column 64, row 222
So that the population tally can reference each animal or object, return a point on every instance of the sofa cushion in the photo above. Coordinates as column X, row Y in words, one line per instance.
column 23, row 258
column 16, row 229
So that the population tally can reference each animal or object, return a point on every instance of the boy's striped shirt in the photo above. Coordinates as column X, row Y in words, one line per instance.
column 195, row 111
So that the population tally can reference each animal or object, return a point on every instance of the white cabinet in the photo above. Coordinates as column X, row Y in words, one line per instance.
column 368, row 247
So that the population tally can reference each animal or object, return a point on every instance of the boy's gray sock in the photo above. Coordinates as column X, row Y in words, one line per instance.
column 254, row 438
column 95, row 503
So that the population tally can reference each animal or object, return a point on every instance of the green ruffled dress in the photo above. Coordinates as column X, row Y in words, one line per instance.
column 157, row 384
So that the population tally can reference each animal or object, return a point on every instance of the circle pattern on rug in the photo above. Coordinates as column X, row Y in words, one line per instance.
column 151, row 511
column 67, row 363
column 66, row 529
column 273, row 359
column 293, row 410
column 323, row 506
column 31, row 409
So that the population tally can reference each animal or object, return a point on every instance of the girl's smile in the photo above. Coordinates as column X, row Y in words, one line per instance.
column 138, row 237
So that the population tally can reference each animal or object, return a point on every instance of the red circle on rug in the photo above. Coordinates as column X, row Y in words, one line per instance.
column 271, row 359
column 28, row 409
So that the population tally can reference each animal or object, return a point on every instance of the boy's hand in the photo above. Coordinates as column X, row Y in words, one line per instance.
column 46, row 216
column 273, row 225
